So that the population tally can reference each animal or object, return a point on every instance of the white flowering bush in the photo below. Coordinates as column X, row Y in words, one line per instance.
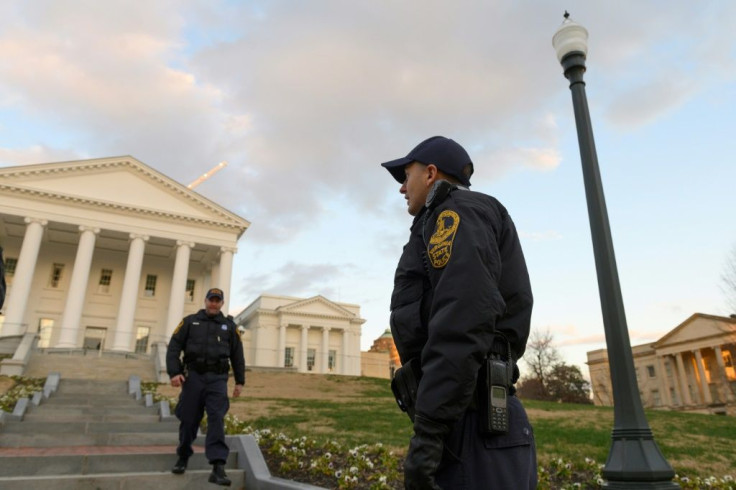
column 559, row 474
column 325, row 463
column 23, row 388
column 725, row 483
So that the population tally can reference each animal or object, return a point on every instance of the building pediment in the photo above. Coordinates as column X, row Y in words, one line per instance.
column 118, row 184
column 698, row 326
column 316, row 306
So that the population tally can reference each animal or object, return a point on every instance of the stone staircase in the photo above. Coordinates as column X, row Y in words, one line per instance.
column 91, row 434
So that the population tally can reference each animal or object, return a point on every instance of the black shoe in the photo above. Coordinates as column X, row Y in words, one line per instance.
column 180, row 466
column 218, row 475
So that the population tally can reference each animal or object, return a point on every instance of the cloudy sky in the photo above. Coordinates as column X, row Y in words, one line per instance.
column 305, row 99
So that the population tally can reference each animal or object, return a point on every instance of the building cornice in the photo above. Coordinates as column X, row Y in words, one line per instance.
column 226, row 219
column 300, row 314
column 120, row 208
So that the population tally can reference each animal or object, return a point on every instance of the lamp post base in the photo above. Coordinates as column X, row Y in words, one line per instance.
column 635, row 461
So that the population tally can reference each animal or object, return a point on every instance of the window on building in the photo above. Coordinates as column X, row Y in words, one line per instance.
column 45, row 327
column 10, row 264
column 105, row 279
column 141, row 340
column 638, row 378
column 651, row 372
column 311, row 354
column 150, row 290
column 332, row 360
column 668, row 368
column 673, row 397
column 289, row 357
column 656, row 399
column 56, row 273
column 189, row 295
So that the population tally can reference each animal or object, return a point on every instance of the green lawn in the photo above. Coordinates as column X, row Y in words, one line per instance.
column 695, row 445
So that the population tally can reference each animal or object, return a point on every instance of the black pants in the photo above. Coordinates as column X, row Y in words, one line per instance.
column 203, row 392
column 499, row 462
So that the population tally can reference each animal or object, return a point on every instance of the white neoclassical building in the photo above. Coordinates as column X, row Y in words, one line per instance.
column 691, row 368
column 308, row 335
column 107, row 254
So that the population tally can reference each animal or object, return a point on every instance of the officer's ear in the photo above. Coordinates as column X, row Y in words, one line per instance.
column 432, row 174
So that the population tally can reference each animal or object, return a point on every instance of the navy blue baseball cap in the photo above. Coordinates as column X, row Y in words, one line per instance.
column 444, row 153
column 215, row 293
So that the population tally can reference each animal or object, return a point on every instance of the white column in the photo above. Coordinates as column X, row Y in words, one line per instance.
column 282, row 345
column 256, row 341
column 345, row 352
column 77, row 288
column 178, row 286
column 23, row 279
column 214, row 276
column 723, row 379
column 124, row 329
column 303, row 350
column 664, row 383
column 225, row 274
column 325, row 348
column 686, row 400
column 703, row 381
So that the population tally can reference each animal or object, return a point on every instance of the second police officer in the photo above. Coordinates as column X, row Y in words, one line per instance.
column 210, row 343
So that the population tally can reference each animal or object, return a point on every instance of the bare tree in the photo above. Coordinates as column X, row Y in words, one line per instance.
column 541, row 356
column 728, row 279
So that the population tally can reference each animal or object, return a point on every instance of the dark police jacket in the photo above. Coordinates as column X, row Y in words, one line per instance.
column 207, row 342
column 2, row 278
column 461, row 276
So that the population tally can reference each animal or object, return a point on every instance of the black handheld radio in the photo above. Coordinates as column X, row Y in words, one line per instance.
column 496, row 375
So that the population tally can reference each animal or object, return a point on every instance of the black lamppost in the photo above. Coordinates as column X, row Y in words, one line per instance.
column 634, row 460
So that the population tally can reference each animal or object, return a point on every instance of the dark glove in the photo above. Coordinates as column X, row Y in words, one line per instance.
column 425, row 454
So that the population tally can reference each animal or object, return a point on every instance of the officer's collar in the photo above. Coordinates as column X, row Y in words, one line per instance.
column 418, row 216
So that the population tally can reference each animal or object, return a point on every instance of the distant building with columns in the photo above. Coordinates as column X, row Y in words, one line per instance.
column 691, row 368
column 107, row 254
column 312, row 335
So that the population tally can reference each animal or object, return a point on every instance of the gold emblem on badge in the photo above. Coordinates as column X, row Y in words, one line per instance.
column 440, row 245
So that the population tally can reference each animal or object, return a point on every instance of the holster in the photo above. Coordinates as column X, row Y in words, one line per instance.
column 405, row 385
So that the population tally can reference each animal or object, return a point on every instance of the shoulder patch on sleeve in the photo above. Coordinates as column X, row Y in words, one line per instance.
column 439, row 248
column 178, row 327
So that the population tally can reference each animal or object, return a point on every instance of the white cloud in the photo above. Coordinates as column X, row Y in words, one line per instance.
column 35, row 154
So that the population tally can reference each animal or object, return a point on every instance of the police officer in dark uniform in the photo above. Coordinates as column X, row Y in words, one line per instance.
column 461, row 297
column 211, row 343
column 2, row 278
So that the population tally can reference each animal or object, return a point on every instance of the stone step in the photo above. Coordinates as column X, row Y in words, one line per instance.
column 89, row 464
column 75, row 401
column 100, row 439
column 164, row 480
column 89, row 367
column 88, row 427
column 79, row 415
column 51, row 405
column 85, row 386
